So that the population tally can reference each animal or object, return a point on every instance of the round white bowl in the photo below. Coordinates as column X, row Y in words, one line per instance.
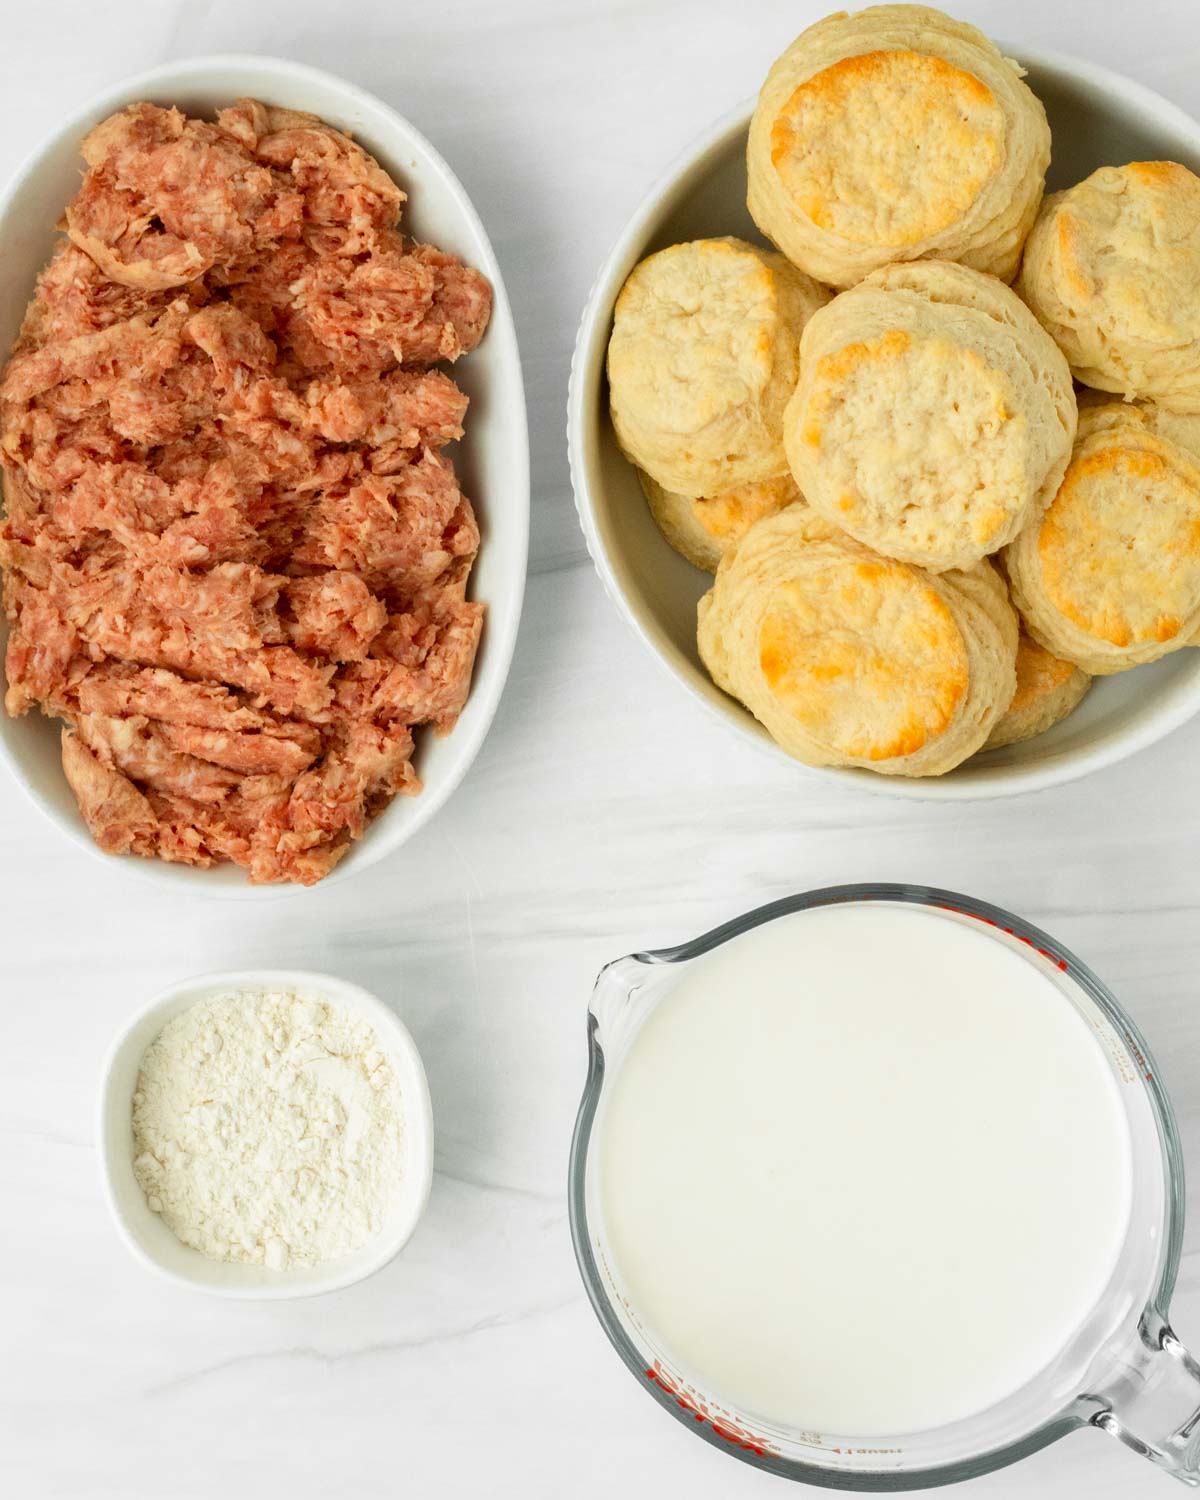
column 1097, row 117
column 493, row 461
column 144, row 1232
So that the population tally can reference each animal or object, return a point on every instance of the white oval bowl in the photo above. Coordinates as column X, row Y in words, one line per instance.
column 1096, row 117
column 144, row 1232
column 493, row 461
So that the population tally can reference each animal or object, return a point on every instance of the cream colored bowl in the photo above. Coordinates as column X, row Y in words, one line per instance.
column 493, row 461
column 1096, row 117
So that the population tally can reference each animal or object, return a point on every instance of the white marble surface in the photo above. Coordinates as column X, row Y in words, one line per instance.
column 605, row 812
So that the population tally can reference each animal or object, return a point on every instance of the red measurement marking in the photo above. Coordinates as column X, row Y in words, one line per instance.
column 1020, row 936
column 726, row 1431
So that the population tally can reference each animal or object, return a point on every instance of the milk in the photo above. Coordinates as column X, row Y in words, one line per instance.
column 864, row 1170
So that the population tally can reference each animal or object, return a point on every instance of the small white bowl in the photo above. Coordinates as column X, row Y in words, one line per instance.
column 1097, row 117
column 144, row 1232
column 493, row 460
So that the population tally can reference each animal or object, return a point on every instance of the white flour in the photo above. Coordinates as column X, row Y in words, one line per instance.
column 268, row 1127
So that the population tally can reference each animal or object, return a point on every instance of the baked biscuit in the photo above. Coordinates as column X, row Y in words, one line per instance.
column 1109, row 577
column 1048, row 689
column 1112, row 269
column 703, row 530
column 852, row 659
column 702, row 360
column 933, row 417
column 894, row 134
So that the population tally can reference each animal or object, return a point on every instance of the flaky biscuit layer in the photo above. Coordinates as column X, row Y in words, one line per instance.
column 703, row 529
column 1109, row 577
column 1112, row 270
column 702, row 359
column 896, row 133
column 933, row 417
column 852, row 659
column 1048, row 689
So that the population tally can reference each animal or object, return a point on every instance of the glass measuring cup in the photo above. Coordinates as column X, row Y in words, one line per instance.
column 1123, row 1370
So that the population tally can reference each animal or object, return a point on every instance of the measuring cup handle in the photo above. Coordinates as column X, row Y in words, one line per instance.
column 1153, row 1403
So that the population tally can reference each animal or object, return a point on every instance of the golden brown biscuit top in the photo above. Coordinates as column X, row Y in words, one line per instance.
column 1131, row 236
column 921, row 435
column 888, row 147
column 1119, row 547
column 729, row 515
column 693, row 334
column 1039, row 674
column 865, row 655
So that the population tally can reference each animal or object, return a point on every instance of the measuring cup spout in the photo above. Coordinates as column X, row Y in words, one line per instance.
column 619, row 995
column 1153, row 1402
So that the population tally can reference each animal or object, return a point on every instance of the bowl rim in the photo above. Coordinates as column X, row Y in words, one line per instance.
column 418, row 1122
column 501, row 627
column 1181, row 701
